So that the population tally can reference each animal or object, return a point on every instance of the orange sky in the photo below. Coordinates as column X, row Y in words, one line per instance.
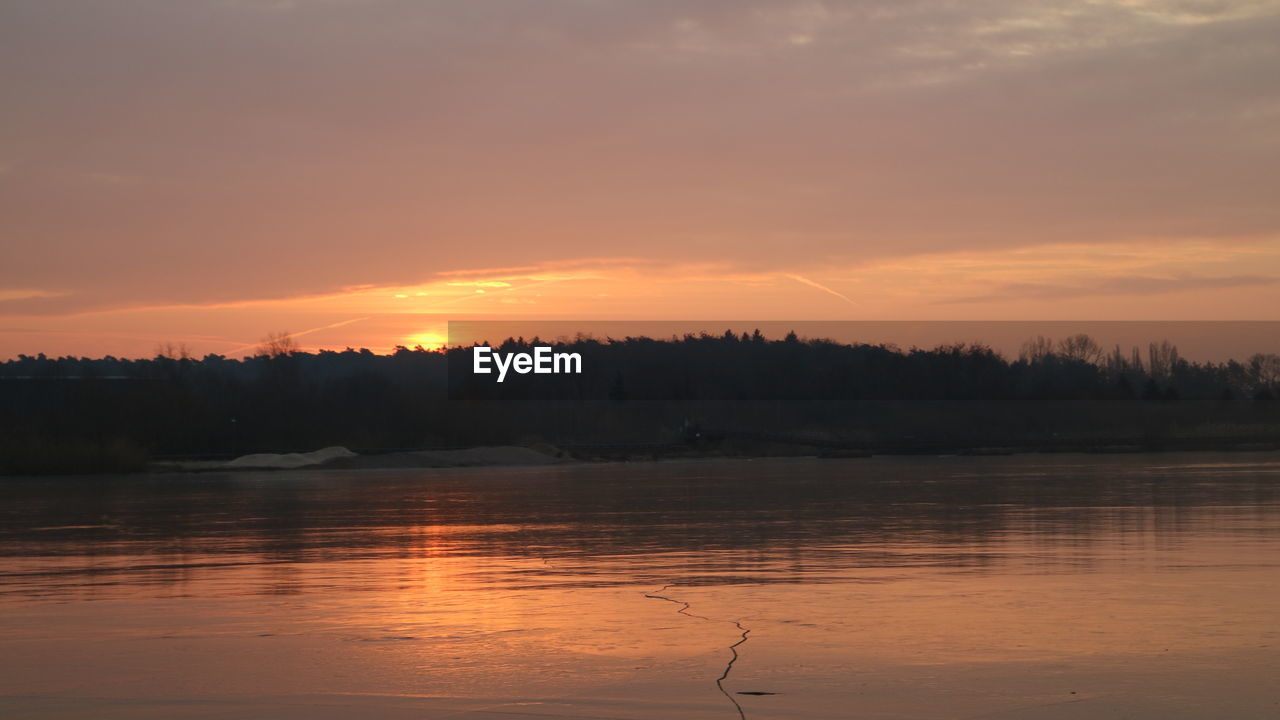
column 359, row 173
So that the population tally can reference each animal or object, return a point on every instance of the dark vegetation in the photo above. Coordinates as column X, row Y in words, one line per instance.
column 637, row 397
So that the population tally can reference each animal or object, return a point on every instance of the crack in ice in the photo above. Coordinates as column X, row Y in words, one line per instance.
column 684, row 610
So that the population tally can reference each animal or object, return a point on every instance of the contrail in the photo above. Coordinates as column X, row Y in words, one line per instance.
column 820, row 286
column 306, row 332
column 329, row 327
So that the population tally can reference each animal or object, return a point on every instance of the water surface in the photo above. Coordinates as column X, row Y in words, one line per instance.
column 1009, row 587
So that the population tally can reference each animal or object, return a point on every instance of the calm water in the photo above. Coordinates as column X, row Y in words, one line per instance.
column 1012, row 587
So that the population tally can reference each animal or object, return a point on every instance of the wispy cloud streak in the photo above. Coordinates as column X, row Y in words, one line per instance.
column 331, row 326
column 820, row 286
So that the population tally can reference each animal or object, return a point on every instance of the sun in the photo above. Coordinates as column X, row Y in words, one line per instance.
column 428, row 339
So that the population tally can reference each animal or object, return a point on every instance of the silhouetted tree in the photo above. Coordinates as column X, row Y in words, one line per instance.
column 1080, row 347
column 277, row 344
column 1036, row 349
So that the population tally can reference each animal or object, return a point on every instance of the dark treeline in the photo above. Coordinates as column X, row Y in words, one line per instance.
column 78, row 413
column 751, row 367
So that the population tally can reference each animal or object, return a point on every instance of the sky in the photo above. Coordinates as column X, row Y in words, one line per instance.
column 358, row 172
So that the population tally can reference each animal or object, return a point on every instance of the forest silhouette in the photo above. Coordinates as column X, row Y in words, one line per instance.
column 741, row 394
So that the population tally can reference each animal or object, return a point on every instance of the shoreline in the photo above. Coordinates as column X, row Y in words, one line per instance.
column 543, row 454
column 519, row 456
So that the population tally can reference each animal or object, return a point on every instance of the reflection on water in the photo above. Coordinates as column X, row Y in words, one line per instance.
column 1026, row 586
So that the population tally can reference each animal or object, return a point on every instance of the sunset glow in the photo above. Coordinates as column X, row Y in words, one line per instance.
column 1185, row 280
column 752, row 160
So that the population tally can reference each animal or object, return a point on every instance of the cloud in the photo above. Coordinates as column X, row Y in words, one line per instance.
column 1129, row 285
column 12, row 294
column 1163, row 281
column 380, row 142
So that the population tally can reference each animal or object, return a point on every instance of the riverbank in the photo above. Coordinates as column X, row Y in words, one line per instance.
column 119, row 458
column 338, row 457
column 545, row 454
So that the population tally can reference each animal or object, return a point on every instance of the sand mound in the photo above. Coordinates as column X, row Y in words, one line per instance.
column 288, row 461
column 340, row 457
column 469, row 457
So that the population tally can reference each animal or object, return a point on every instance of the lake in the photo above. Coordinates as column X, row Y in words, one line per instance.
column 1140, row 586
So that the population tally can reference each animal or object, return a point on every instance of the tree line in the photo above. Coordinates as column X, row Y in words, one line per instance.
column 87, row 411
